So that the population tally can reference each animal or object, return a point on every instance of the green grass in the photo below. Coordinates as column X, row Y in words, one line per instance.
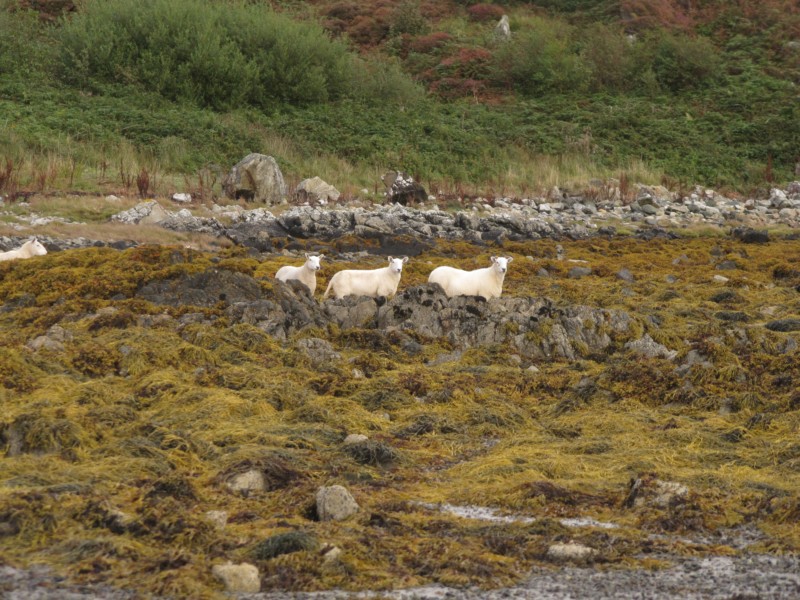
column 735, row 127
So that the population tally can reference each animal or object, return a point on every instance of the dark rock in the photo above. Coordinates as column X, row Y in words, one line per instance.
column 578, row 272
column 123, row 244
column 608, row 230
column 784, row 325
column 402, row 188
column 731, row 316
column 202, row 289
column 727, row 265
column 655, row 232
column 749, row 235
column 726, row 296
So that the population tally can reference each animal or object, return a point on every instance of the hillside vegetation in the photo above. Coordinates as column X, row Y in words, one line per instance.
column 701, row 92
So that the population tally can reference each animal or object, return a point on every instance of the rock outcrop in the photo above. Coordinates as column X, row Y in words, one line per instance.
column 535, row 327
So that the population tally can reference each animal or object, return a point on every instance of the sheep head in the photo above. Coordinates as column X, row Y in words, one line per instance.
column 396, row 264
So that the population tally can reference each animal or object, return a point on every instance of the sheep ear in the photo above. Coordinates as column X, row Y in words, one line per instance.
column 405, row 259
column 321, row 256
column 494, row 259
column 509, row 258
column 391, row 259
column 306, row 255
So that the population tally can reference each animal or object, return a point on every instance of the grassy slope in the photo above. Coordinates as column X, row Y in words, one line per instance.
column 739, row 130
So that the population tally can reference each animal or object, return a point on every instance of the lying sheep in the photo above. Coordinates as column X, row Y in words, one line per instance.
column 27, row 250
column 307, row 274
column 486, row 282
column 375, row 282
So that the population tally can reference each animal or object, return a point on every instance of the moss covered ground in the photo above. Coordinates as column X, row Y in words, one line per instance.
column 119, row 441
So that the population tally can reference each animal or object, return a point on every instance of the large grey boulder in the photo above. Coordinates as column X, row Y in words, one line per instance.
column 256, row 177
column 316, row 191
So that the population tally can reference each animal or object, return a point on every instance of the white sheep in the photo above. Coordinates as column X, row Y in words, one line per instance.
column 307, row 274
column 374, row 282
column 30, row 248
column 486, row 282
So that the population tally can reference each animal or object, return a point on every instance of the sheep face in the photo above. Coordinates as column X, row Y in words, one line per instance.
column 36, row 248
column 396, row 264
column 501, row 263
column 312, row 262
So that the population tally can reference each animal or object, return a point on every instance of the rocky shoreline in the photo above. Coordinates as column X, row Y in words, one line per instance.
column 396, row 229
column 709, row 578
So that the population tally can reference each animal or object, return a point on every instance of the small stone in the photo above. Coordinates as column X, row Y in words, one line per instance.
column 332, row 555
column 335, row 503
column 570, row 552
column 218, row 517
column 243, row 578
column 579, row 272
column 625, row 275
column 182, row 198
column 727, row 265
column 355, row 438
column 649, row 348
column 250, row 481
column 720, row 279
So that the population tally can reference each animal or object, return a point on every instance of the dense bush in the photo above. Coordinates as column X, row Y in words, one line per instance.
column 680, row 62
column 17, row 52
column 608, row 57
column 540, row 59
column 216, row 55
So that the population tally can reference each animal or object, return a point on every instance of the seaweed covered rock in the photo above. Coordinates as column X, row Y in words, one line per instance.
column 202, row 289
column 535, row 328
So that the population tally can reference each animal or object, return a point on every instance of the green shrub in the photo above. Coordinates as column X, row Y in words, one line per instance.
column 541, row 58
column 608, row 56
column 217, row 55
column 24, row 47
column 680, row 62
